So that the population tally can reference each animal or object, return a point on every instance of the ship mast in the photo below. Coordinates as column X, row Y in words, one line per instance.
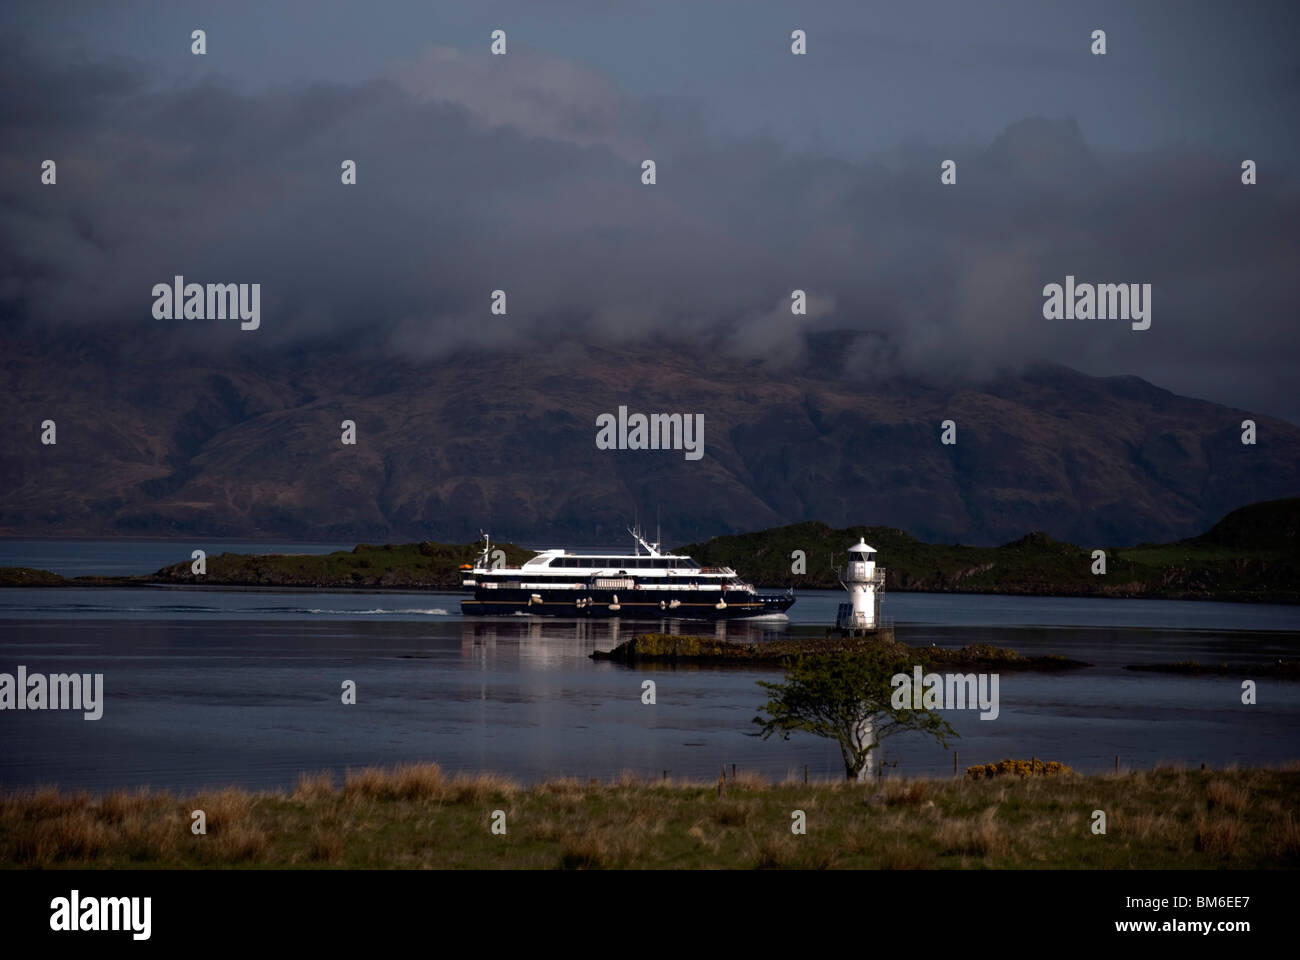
column 651, row 548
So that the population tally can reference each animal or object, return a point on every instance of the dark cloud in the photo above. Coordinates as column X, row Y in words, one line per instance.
column 523, row 173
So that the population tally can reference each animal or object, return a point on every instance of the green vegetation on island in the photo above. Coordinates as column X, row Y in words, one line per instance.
column 667, row 648
column 419, row 566
column 425, row 566
column 1252, row 554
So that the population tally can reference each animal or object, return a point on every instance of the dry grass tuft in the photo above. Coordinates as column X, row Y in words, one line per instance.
column 225, row 810
column 424, row 781
column 773, row 853
column 314, row 786
column 240, row 844
column 906, row 793
column 146, row 838
column 1287, row 838
column 744, row 780
column 1228, row 796
column 978, row 837
column 478, row 787
column 65, row 838
column 326, row 844
column 896, row 854
column 732, row 813
column 1217, row 835
column 593, row 849
column 1150, row 827
column 560, row 786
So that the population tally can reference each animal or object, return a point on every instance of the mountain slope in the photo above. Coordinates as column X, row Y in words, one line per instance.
column 156, row 440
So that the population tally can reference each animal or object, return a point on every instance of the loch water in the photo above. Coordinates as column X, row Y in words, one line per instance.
column 206, row 687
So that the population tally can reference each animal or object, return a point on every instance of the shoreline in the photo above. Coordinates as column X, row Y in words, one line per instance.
column 53, row 581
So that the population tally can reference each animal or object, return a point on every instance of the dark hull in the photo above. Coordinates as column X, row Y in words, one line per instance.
column 692, row 606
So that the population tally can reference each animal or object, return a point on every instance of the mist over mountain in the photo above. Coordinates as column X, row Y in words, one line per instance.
column 151, row 441
column 522, row 173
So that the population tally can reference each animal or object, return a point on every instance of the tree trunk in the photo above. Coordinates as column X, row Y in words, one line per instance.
column 858, row 737
column 864, row 736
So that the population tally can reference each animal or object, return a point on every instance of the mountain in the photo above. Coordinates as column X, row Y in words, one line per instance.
column 159, row 437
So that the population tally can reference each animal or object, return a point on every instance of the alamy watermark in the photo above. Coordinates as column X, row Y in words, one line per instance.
column 214, row 301
column 658, row 431
column 75, row 913
column 58, row 691
column 951, row 691
column 1102, row 301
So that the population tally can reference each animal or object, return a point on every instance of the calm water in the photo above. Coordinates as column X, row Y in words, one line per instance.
column 206, row 687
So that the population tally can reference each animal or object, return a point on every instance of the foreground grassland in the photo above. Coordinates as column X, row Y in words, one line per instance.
column 417, row 817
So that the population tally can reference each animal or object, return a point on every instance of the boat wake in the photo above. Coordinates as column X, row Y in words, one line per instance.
column 378, row 612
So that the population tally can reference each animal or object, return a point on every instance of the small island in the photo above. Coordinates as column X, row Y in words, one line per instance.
column 665, row 648
column 1251, row 555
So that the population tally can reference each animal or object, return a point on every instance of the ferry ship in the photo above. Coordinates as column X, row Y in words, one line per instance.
column 643, row 585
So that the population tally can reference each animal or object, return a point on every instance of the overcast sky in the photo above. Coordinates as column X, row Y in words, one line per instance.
column 819, row 172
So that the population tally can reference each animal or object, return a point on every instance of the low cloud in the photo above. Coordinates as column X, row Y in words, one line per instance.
column 525, row 176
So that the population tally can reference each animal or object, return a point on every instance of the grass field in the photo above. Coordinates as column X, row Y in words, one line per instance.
column 418, row 817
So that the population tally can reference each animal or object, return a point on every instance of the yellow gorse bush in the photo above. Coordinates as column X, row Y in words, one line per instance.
column 1020, row 768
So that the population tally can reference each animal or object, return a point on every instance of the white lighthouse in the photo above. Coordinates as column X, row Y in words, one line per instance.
column 865, row 583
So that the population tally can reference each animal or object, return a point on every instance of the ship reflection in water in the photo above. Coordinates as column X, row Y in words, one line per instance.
column 555, row 639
